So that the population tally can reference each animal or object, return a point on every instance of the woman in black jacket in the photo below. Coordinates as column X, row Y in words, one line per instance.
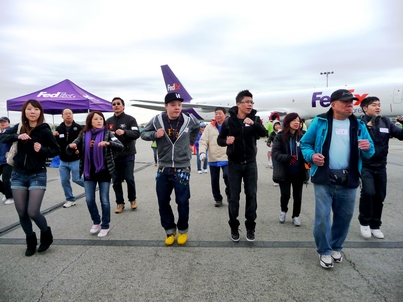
column 35, row 143
column 289, row 166
column 95, row 144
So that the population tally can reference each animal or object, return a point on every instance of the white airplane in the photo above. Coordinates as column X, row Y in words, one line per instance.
column 307, row 103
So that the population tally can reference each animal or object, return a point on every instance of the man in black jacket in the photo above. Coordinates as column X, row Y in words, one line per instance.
column 125, row 128
column 65, row 134
column 239, row 134
column 373, row 173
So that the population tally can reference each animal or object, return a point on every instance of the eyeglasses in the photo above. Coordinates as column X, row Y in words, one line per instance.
column 116, row 104
column 247, row 102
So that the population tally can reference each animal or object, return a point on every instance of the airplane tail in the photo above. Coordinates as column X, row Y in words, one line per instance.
column 172, row 83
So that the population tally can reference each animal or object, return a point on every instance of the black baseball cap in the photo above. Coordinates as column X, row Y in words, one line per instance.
column 173, row 96
column 4, row 119
column 342, row 95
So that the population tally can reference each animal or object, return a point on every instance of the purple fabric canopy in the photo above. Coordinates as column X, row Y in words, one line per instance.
column 61, row 95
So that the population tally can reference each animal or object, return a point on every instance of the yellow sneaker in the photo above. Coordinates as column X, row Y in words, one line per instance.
column 182, row 238
column 170, row 239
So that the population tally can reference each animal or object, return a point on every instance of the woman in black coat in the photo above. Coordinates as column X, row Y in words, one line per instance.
column 289, row 166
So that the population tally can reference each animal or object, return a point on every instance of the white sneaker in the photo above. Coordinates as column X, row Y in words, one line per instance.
column 365, row 231
column 103, row 233
column 337, row 257
column 326, row 261
column 282, row 216
column 69, row 204
column 200, row 172
column 9, row 201
column 275, row 184
column 377, row 233
column 296, row 221
column 95, row 228
column 205, row 170
column 4, row 198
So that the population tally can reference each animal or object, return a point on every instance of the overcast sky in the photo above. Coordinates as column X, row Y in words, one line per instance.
column 115, row 48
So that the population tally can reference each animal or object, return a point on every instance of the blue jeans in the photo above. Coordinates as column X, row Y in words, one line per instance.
column 373, row 193
column 65, row 169
column 178, row 179
column 215, row 181
column 198, row 161
column 247, row 172
column 339, row 199
column 89, row 187
column 124, row 171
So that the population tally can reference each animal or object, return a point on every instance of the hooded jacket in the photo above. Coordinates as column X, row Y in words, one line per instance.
column 27, row 160
column 380, row 133
column 178, row 154
column 243, row 150
column 317, row 140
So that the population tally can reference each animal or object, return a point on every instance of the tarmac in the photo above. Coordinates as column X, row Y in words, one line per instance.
column 132, row 263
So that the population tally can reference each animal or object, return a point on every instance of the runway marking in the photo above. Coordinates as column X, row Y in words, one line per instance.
column 208, row 244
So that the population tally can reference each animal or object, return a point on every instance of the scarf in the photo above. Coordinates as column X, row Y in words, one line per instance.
column 97, row 152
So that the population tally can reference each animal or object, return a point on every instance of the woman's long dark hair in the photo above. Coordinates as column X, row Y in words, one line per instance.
column 88, row 121
column 25, row 128
column 286, row 133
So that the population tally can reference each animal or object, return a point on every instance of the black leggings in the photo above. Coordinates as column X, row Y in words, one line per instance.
column 28, row 205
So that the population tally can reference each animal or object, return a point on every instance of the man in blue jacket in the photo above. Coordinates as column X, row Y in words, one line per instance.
column 5, row 169
column 374, row 179
column 334, row 144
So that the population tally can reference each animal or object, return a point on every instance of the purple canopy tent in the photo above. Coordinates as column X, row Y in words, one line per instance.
column 61, row 95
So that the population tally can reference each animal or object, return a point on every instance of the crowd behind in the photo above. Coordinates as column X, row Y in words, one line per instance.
column 338, row 153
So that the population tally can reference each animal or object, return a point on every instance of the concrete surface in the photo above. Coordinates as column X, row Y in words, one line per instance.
column 133, row 264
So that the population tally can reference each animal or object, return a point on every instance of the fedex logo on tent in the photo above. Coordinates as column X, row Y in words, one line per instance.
column 64, row 95
column 173, row 87
column 324, row 100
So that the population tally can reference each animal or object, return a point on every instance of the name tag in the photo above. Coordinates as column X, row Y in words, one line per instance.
column 135, row 128
column 114, row 139
column 342, row 131
column 247, row 125
column 61, row 135
column 186, row 129
column 384, row 130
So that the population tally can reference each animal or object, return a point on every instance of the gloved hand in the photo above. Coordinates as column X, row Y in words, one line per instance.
column 293, row 160
column 202, row 156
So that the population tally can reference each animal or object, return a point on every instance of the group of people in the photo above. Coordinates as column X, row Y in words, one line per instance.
column 102, row 151
column 335, row 151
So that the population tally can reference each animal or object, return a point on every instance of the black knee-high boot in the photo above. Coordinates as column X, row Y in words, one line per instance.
column 46, row 240
column 32, row 242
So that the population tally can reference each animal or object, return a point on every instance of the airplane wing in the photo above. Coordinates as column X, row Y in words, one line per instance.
column 160, row 106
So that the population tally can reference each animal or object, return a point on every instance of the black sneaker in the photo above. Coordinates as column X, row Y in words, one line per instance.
column 218, row 203
column 235, row 235
column 250, row 235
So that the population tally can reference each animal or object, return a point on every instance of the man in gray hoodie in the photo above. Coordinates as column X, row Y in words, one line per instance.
column 175, row 134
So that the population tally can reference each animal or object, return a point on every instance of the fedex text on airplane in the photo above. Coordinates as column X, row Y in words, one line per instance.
column 324, row 101
column 173, row 87
column 56, row 95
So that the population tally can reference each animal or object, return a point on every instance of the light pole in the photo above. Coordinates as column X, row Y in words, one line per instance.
column 327, row 76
